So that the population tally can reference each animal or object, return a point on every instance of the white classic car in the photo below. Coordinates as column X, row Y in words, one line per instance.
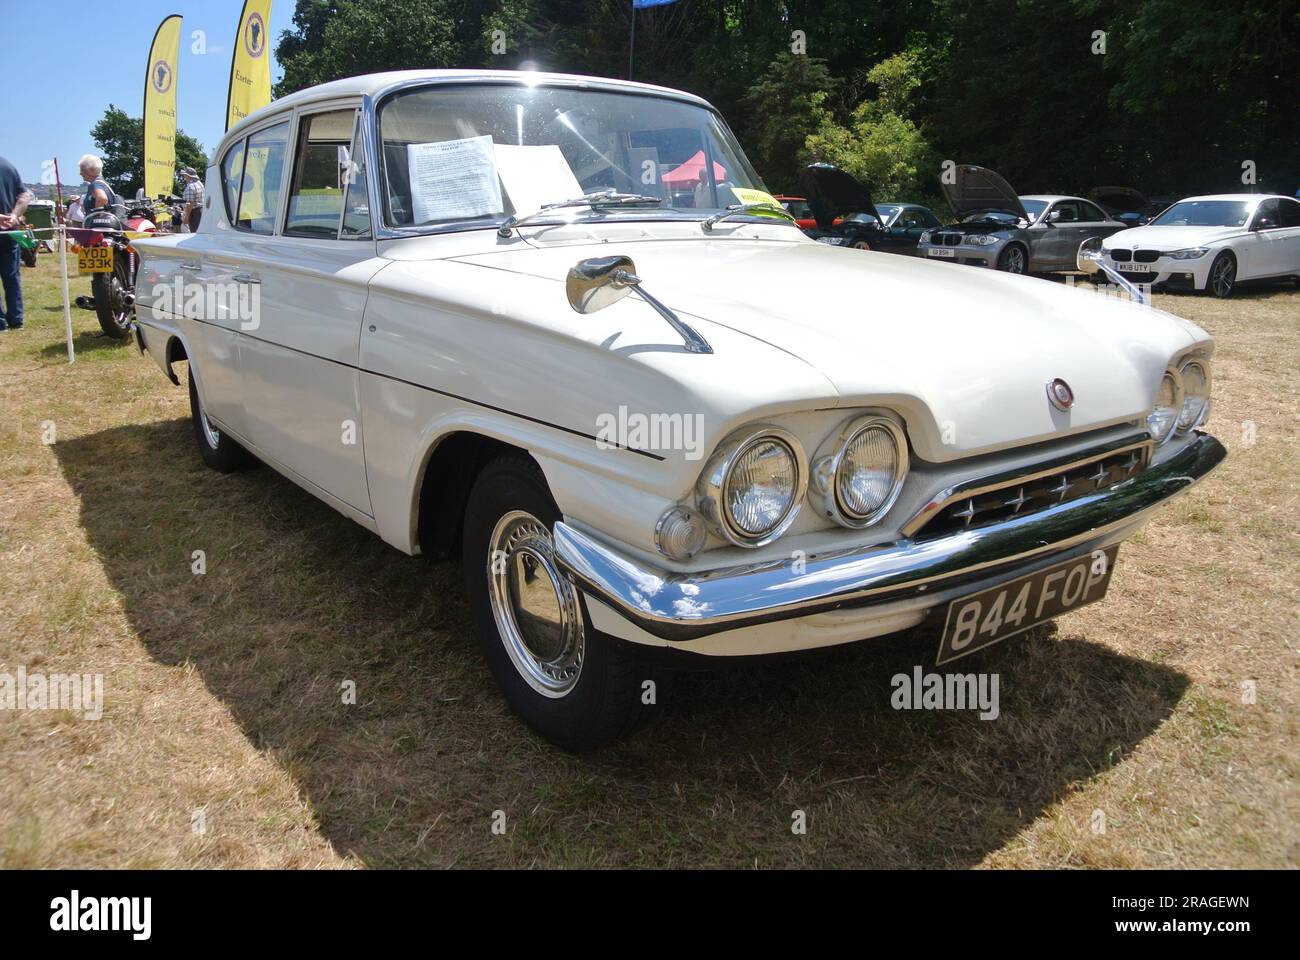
column 1211, row 244
column 554, row 326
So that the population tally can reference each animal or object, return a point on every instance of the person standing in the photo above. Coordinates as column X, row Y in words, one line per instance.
column 14, row 197
column 193, row 198
column 99, row 194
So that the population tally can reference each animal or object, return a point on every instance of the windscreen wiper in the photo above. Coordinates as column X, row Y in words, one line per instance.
column 745, row 208
column 601, row 198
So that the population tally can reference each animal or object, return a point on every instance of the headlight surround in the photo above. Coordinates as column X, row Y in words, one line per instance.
column 1195, row 408
column 752, row 487
column 979, row 240
column 1168, row 405
column 859, row 471
column 925, row 236
column 1190, row 253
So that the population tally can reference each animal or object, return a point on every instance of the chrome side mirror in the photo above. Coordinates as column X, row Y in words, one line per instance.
column 600, row 282
column 1090, row 259
column 1089, row 256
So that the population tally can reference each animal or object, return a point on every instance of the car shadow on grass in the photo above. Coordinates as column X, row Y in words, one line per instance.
column 297, row 601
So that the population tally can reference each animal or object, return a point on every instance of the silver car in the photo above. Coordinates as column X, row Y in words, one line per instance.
column 1036, row 233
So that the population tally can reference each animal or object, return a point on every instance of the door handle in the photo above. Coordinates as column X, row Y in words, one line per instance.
column 245, row 278
column 191, row 265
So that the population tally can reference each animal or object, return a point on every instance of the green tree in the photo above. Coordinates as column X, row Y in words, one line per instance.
column 881, row 145
column 342, row 38
column 783, row 109
column 120, row 139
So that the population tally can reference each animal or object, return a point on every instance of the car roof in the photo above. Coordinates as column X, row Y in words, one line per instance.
column 375, row 85
column 1239, row 196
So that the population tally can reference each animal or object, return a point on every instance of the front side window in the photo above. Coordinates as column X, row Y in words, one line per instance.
column 474, row 155
column 1267, row 215
column 320, row 174
column 259, row 194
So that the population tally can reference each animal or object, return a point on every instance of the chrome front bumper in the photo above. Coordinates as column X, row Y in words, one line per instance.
column 683, row 607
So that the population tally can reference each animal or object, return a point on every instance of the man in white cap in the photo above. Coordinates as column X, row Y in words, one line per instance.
column 193, row 198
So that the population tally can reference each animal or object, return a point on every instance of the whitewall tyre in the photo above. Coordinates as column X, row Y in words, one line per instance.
column 576, row 687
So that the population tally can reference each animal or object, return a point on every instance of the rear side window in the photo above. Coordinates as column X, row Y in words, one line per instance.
column 1289, row 213
column 321, row 171
column 259, row 194
column 1091, row 213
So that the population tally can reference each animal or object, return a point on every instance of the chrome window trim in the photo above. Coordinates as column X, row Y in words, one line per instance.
column 979, row 486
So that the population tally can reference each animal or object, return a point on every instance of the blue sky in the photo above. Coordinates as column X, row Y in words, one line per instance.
column 55, row 95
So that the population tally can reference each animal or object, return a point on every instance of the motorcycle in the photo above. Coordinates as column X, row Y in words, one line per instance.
column 112, row 283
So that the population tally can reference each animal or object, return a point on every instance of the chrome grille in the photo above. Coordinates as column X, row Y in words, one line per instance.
column 979, row 506
column 946, row 239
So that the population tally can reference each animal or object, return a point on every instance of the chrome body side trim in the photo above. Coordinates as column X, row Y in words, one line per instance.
column 679, row 607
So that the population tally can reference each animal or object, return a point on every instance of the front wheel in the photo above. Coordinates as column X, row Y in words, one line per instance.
column 112, row 298
column 579, row 689
column 1013, row 260
column 861, row 245
column 1223, row 276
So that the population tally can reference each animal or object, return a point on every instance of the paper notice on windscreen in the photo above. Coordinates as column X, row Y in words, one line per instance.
column 453, row 179
column 534, row 176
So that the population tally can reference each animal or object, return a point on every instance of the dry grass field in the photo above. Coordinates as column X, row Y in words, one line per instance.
column 222, row 699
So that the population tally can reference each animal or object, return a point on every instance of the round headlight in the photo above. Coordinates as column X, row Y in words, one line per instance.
column 760, row 488
column 858, row 473
column 1169, row 404
column 752, row 486
column 1195, row 408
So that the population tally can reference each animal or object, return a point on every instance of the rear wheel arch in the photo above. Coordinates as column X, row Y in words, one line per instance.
column 175, row 352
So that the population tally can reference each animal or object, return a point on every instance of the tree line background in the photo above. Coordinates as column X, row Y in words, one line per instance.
column 1185, row 92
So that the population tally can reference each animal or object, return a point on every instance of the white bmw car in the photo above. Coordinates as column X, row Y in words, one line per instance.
column 1211, row 244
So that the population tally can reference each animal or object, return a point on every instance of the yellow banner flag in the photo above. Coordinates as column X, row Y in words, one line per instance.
column 250, row 66
column 160, row 109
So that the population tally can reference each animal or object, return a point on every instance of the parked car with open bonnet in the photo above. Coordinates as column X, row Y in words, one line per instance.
column 533, row 322
column 1034, row 233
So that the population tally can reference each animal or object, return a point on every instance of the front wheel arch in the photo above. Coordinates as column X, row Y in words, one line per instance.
column 450, row 469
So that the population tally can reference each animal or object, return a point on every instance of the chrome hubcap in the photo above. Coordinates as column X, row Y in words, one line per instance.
column 210, row 433
column 535, row 609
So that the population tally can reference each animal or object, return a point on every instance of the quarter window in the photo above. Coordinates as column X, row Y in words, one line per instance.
column 232, row 169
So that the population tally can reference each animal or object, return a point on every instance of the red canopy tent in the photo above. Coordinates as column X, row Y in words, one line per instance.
column 689, row 172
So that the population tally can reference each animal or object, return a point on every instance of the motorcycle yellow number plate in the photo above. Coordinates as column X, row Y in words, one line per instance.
column 95, row 260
